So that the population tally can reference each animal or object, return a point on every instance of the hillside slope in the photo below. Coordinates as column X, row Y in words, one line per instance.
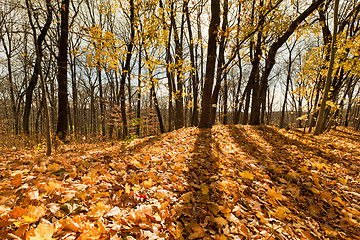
column 231, row 182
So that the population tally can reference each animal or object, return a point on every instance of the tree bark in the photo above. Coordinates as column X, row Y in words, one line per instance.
column 62, row 123
column 126, row 68
column 288, row 79
column 319, row 128
column 179, row 105
column 221, row 61
column 8, row 53
column 205, row 119
column 34, row 78
column 42, row 80
column 193, row 72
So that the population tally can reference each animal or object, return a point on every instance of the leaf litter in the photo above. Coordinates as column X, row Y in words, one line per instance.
column 230, row 182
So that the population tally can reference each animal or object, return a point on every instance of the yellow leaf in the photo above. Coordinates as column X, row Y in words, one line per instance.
column 342, row 180
column 43, row 231
column 36, row 212
column 51, row 186
column 221, row 222
column 222, row 237
column 339, row 200
column 53, row 167
column 247, row 175
column 29, row 219
column 281, row 212
column 69, row 224
column 272, row 193
column 148, row 183
column 244, row 230
column 98, row 210
column 307, row 234
column 127, row 188
column 204, row 189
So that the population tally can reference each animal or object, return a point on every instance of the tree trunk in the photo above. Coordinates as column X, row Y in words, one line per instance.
column 75, row 97
column 225, row 119
column 42, row 81
column 205, row 119
column 319, row 128
column 102, row 107
column 62, row 123
column 8, row 53
column 156, row 105
column 179, row 105
column 33, row 80
column 288, row 79
column 221, row 62
column 126, row 68
column 193, row 72
column 270, row 61
column 138, row 106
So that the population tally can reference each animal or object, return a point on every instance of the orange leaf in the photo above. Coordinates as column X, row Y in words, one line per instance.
column 36, row 212
column 18, row 212
column 272, row 193
column 307, row 235
column 43, row 231
column 16, row 180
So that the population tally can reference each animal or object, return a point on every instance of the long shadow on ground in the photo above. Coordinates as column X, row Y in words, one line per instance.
column 304, row 175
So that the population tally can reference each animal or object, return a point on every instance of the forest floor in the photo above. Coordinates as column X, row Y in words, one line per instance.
column 231, row 182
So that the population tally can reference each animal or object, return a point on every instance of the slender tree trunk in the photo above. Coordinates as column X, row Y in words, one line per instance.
column 193, row 72
column 34, row 78
column 238, row 103
column 225, row 119
column 288, row 79
column 62, row 123
column 270, row 60
column 138, row 107
column 8, row 53
column 319, row 128
column 42, row 81
column 126, row 68
column 179, row 101
column 156, row 105
column 102, row 107
column 75, row 97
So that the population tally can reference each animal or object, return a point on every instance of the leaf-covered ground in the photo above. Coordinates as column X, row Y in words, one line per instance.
column 233, row 182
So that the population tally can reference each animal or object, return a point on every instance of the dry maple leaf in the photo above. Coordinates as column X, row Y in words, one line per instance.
column 43, row 231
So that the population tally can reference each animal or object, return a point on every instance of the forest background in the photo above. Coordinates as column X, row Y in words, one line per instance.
column 84, row 68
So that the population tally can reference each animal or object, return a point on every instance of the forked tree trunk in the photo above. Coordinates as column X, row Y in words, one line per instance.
column 42, row 81
column 320, row 123
column 34, row 78
column 205, row 119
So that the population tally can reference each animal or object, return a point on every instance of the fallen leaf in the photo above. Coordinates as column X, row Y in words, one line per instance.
column 247, row 174
column 43, row 231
